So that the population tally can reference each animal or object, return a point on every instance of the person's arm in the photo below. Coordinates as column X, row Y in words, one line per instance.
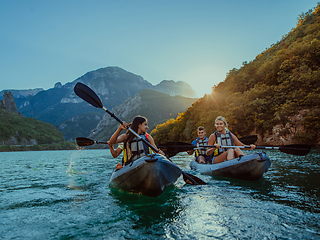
column 115, row 138
column 151, row 141
column 211, row 141
column 114, row 153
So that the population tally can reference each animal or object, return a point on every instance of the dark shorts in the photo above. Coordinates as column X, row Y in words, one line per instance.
column 206, row 157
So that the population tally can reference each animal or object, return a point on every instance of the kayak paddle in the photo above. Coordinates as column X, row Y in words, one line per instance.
column 88, row 95
column 174, row 147
column 294, row 149
column 82, row 142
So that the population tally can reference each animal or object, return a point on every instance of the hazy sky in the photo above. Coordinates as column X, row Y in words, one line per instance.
column 44, row 42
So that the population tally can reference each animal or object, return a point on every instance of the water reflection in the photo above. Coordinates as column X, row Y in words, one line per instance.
column 290, row 180
column 145, row 212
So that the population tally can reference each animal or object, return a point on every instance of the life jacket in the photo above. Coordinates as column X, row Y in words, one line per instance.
column 223, row 140
column 201, row 142
column 136, row 149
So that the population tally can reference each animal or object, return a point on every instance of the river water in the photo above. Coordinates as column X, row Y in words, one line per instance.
column 66, row 195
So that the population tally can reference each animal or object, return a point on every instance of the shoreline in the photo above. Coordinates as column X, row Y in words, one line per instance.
column 39, row 147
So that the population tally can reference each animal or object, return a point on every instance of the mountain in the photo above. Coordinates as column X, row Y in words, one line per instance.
column 175, row 88
column 80, row 125
column 22, row 93
column 114, row 85
column 61, row 107
column 277, row 95
column 156, row 106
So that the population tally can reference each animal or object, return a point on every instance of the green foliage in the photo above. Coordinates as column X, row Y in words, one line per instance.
column 40, row 147
column 279, row 83
column 22, row 128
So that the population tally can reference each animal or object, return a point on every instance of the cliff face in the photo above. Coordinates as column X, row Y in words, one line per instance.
column 283, row 134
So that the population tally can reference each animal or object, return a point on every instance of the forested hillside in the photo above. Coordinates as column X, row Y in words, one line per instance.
column 277, row 95
column 18, row 130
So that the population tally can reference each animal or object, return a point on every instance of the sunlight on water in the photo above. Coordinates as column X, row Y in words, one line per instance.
column 66, row 195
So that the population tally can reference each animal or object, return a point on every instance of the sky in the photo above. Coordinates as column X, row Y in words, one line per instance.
column 199, row 41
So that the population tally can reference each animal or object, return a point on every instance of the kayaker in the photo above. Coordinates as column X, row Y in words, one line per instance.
column 201, row 154
column 134, row 148
column 223, row 137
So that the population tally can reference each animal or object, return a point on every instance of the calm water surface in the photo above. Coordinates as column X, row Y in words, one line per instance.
column 66, row 195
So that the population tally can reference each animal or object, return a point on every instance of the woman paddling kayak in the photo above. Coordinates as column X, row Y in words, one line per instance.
column 223, row 137
column 133, row 147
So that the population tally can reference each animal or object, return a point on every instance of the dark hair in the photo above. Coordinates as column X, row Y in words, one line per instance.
column 134, row 126
column 201, row 128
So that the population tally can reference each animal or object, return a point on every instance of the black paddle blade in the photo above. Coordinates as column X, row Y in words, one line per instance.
column 247, row 140
column 173, row 148
column 82, row 141
column 296, row 149
column 191, row 179
column 87, row 94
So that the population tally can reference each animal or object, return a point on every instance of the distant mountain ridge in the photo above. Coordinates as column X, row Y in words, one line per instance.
column 156, row 106
column 114, row 85
column 22, row 93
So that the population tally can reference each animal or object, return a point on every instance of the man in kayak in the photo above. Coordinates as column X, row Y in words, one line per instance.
column 200, row 153
column 133, row 147
column 223, row 137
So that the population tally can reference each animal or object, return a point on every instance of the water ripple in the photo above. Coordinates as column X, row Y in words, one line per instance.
column 66, row 195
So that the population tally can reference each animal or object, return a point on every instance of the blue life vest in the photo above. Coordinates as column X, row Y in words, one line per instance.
column 201, row 142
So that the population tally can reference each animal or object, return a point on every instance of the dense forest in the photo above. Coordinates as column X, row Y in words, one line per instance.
column 278, row 87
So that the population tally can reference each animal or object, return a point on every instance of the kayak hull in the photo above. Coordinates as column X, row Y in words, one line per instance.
column 149, row 175
column 250, row 167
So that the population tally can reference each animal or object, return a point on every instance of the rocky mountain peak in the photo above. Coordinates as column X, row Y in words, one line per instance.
column 8, row 102
column 58, row 85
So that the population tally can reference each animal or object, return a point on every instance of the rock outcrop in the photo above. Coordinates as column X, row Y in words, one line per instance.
column 284, row 134
column 8, row 102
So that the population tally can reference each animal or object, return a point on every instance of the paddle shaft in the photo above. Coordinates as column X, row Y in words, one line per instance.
column 100, row 142
column 257, row 147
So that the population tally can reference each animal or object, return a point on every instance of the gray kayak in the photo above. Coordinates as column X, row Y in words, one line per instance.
column 149, row 175
column 250, row 167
